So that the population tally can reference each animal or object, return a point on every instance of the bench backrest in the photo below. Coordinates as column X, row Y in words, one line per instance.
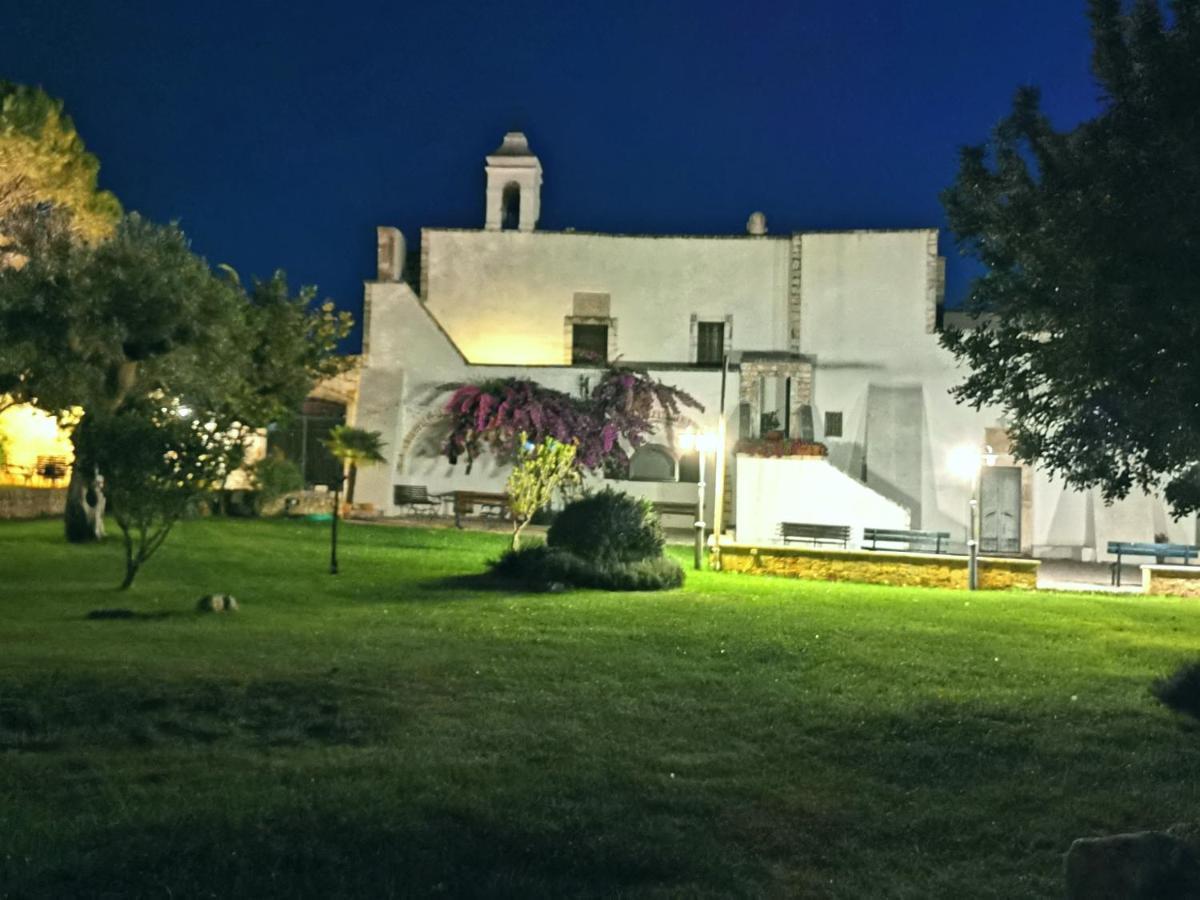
column 409, row 493
column 1128, row 548
column 896, row 534
column 673, row 508
column 807, row 530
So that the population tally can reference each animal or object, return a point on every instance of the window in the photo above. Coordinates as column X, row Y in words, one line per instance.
column 710, row 343
column 833, row 424
column 589, row 344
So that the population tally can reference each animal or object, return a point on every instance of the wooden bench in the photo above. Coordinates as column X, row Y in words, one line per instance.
column 921, row 539
column 674, row 508
column 466, row 501
column 814, row 534
column 52, row 468
column 1186, row 552
column 414, row 496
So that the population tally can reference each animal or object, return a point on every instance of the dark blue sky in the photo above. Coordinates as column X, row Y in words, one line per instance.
column 280, row 134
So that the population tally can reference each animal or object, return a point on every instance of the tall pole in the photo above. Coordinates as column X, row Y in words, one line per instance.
column 719, row 487
column 700, row 513
column 333, row 565
column 973, row 539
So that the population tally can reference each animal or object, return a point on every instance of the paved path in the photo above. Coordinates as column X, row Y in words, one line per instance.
column 1069, row 575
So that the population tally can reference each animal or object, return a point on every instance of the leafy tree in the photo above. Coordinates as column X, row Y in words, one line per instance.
column 619, row 412
column 539, row 471
column 43, row 160
column 355, row 447
column 160, row 459
column 101, row 327
column 1087, row 315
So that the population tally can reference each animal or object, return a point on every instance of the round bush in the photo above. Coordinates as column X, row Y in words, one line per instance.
column 608, row 527
column 542, row 568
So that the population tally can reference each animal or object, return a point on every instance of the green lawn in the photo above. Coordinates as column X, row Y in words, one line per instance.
column 402, row 730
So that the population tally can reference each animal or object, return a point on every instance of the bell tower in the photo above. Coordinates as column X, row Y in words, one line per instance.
column 514, row 185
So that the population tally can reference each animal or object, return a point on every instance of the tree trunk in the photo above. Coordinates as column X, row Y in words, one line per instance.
column 350, row 484
column 518, row 526
column 83, row 518
column 131, row 570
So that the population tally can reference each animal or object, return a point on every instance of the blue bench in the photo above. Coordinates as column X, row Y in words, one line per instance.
column 814, row 534
column 1186, row 552
column 918, row 541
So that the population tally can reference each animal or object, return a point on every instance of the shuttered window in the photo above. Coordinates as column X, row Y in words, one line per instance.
column 710, row 343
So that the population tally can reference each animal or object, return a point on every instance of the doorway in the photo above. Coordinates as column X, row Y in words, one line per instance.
column 1000, row 509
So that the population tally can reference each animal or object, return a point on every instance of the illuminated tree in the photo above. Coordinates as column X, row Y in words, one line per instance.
column 43, row 161
column 1088, row 313
column 540, row 470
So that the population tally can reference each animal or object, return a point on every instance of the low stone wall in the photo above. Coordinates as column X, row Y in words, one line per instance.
column 31, row 503
column 1171, row 581
column 879, row 567
column 306, row 503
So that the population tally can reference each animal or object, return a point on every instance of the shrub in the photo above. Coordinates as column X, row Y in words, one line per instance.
column 608, row 527
column 275, row 475
column 1181, row 691
column 542, row 568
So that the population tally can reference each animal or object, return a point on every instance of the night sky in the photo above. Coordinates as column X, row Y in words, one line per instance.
column 280, row 134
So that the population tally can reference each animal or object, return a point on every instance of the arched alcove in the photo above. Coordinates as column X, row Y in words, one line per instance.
column 652, row 462
column 510, row 207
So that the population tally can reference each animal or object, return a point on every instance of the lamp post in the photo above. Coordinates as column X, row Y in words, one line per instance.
column 337, row 502
column 703, row 443
column 967, row 462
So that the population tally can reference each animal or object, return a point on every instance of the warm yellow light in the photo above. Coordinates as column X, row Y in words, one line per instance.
column 30, row 435
column 703, row 441
column 964, row 461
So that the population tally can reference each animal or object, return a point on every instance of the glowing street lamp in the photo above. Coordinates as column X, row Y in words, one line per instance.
column 703, row 442
column 966, row 463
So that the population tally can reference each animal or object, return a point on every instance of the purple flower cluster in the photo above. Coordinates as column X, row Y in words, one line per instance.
column 615, row 417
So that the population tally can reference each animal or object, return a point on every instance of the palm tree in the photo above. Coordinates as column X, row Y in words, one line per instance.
column 355, row 446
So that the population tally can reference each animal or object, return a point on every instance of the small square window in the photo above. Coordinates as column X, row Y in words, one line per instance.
column 589, row 344
column 833, row 424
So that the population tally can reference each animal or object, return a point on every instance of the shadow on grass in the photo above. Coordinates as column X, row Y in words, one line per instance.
column 63, row 714
column 346, row 851
column 102, row 615
column 481, row 582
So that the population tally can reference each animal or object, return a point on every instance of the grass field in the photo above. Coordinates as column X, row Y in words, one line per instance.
column 404, row 730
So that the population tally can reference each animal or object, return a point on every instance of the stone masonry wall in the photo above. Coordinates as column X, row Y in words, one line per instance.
column 879, row 567
column 31, row 503
column 1171, row 581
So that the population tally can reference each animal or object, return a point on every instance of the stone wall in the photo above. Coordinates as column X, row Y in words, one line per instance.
column 879, row 567
column 307, row 503
column 1171, row 581
column 31, row 503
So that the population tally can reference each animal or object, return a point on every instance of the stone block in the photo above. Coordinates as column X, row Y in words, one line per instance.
column 878, row 567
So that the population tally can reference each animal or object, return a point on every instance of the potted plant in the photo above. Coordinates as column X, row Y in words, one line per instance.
column 769, row 427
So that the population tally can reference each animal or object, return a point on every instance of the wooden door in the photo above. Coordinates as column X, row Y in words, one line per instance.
column 1000, row 509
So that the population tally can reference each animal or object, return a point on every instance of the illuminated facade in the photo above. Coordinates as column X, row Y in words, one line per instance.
column 832, row 336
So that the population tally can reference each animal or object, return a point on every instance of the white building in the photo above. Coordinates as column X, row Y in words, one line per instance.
column 833, row 332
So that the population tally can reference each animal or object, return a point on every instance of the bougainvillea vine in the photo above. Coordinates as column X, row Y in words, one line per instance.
column 614, row 417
